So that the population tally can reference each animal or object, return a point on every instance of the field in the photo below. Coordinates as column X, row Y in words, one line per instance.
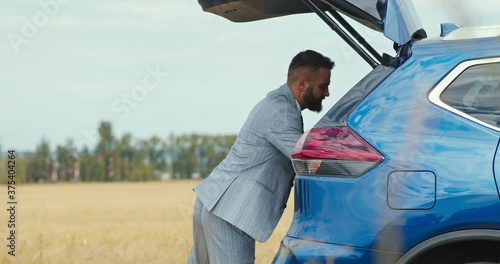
column 109, row 223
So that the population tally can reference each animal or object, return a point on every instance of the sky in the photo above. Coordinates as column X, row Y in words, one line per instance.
column 162, row 67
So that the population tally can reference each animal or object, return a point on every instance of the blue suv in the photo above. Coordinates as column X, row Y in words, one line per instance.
column 405, row 168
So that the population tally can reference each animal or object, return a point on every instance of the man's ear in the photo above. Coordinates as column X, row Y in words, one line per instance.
column 303, row 83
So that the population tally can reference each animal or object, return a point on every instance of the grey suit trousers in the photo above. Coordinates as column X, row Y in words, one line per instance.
column 217, row 241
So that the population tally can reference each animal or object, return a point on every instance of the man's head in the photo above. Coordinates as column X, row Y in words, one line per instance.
column 309, row 78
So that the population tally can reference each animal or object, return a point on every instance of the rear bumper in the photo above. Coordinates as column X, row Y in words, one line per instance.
column 295, row 251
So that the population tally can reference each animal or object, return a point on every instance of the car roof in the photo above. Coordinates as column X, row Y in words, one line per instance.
column 463, row 40
column 473, row 33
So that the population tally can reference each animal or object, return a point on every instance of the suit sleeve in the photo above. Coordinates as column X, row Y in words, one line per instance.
column 285, row 129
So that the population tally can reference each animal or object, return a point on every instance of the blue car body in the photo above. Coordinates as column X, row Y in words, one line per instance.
column 405, row 168
column 437, row 179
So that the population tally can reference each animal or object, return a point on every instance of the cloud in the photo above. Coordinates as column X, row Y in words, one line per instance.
column 465, row 12
column 164, row 10
column 136, row 9
column 151, row 16
column 109, row 23
column 148, row 16
column 10, row 23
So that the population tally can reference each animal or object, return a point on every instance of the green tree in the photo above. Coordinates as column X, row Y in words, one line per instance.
column 66, row 159
column 21, row 160
column 154, row 152
column 186, row 155
column 125, row 152
column 40, row 164
column 87, row 163
column 105, row 148
column 215, row 149
column 142, row 172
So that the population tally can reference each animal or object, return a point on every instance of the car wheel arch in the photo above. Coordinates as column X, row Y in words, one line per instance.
column 488, row 236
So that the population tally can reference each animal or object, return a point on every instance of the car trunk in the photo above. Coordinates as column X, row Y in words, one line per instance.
column 397, row 19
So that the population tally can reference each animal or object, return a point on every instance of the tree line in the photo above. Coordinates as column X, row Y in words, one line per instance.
column 124, row 158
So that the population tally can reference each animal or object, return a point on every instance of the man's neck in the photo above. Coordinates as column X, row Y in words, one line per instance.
column 296, row 95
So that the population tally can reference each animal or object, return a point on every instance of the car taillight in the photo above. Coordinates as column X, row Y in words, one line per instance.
column 334, row 151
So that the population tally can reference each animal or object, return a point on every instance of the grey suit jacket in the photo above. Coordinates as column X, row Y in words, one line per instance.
column 250, row 187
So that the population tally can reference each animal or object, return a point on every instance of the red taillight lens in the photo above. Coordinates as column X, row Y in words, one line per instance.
column 334, row 151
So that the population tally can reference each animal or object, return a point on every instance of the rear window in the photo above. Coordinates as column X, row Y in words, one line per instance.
column 337, row 115
column 476, row 92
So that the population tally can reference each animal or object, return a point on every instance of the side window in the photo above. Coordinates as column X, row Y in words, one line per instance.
column 476, row 92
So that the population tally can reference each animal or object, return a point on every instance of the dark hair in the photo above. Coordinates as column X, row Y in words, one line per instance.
column 309, row 59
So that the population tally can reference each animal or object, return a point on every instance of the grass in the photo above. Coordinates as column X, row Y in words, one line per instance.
column 110, row 223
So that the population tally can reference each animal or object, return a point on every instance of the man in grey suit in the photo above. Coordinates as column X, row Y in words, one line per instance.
column 244, row 197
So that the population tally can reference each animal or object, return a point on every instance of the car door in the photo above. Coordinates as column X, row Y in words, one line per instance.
column 474, row 94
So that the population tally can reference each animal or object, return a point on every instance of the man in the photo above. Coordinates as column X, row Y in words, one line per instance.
column 244, row 197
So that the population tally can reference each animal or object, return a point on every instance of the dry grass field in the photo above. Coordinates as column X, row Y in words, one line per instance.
column 109, row 223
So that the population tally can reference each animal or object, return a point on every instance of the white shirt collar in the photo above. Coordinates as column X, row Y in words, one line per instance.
column 298, row 106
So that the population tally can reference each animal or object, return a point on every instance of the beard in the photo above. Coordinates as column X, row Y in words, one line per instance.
column 313, row 103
